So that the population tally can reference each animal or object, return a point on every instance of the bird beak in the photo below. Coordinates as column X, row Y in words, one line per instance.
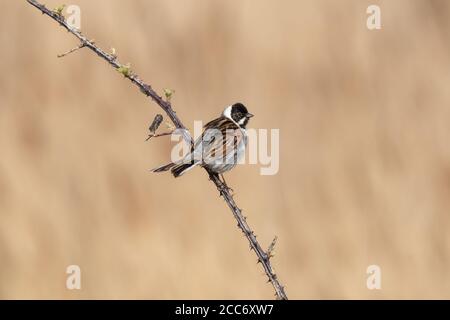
column 249, row 115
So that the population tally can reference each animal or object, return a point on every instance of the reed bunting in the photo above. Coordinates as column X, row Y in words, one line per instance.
column 220, row 146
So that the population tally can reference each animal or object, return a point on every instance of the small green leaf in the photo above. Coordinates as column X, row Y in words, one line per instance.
column 125, row 70
column 168, row 93
column 59, row 10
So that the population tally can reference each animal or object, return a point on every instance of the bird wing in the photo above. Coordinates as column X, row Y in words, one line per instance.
column 220, row 140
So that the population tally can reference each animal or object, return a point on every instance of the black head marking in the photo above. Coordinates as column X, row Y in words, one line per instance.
column 239, row 113
column 239, row 107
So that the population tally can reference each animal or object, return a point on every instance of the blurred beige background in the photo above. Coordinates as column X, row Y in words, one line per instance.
column 364, row 175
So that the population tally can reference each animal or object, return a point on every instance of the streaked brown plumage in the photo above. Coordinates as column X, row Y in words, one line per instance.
column 219, row 147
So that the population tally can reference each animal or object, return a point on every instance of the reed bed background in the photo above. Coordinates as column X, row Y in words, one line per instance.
column 364, row 153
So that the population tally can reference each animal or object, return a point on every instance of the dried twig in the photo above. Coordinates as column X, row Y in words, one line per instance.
column 271, row 248
column 156, row 135
column 81, row 45
column 111, row 58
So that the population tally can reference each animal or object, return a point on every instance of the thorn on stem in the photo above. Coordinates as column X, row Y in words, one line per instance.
column 145, row 89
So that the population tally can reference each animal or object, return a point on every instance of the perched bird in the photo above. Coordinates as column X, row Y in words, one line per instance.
column 220, row 146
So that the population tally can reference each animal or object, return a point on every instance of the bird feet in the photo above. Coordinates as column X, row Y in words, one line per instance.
column 224, row 184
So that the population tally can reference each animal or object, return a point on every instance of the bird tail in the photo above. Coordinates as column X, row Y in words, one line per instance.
column 180, row 169
column 163, row 168
column 176, row 169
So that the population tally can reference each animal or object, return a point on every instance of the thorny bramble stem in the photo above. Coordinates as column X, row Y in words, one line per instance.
column 263, row 257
